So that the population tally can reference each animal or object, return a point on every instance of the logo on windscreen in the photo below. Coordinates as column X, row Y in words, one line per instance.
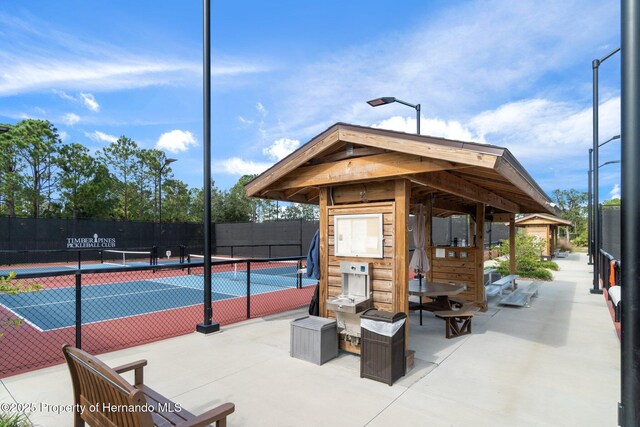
column 91, row 242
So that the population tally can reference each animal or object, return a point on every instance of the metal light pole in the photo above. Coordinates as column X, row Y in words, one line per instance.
column 207, row 326
column 167, row 162
column 589, row 209
column 390, row 100
column 629, row 413
column 596, row 246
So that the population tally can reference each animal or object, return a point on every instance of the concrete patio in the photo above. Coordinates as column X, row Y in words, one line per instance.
column 556, row 363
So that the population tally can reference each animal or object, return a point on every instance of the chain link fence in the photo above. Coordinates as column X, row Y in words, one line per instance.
column 115, row 307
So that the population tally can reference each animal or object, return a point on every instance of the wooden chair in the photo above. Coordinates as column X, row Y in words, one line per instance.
column 103, row 398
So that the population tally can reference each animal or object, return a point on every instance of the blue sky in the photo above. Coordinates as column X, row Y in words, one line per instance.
column 514, row 74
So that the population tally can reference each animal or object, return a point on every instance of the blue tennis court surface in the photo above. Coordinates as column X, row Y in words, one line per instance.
column 55, row 308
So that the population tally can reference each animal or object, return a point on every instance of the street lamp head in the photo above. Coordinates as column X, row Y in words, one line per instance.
column 610, row 162
column 381, row 101
column 169, row 161
column 4, row 129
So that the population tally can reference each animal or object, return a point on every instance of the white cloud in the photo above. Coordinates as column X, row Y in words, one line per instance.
column 615, row 192
column 63, row 135
column 536, row 128
column 281, row 148
column 238, row 166
column 464, row 58
column 244, row 121
column 69, row 63
column 70, row 119
column 434, row 127
column 176, row 141
column 101, row 136
column 90, row 101
column 62, row 94
column 261, row 109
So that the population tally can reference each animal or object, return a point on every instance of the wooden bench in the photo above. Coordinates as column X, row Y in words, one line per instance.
column 559, row 254
column 521, row 297
column 458, row 322
column 103, row 398
column 615, row 295
column 502, row 284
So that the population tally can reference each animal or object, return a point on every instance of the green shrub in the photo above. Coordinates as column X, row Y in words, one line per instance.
column 14, row 420
column 8, row 285
column 528, row 261
column 581, row 240
column 565, row 246
column 551, row 265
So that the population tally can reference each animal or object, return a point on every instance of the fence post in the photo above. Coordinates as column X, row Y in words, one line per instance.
column 78, row 309
column 248, row 289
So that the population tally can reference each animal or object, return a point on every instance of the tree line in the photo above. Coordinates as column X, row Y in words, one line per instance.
column 40, row 176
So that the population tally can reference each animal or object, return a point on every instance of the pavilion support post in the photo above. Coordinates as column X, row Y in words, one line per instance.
column 428, row 235
column 512, row 244
column 401, row 223
column 324, row 250
column 479, row 297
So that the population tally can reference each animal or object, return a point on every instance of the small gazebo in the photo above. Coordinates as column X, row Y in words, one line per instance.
column 353, row 170
column 545, row 227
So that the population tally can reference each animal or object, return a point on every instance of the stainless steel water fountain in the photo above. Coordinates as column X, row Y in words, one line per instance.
column 355, row 298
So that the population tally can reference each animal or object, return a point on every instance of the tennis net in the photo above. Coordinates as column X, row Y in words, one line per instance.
column 280, row 274
column 128, row 258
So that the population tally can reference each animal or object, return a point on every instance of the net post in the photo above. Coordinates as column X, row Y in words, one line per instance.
column 79, row 260
column 78, row 309
column 248, row 289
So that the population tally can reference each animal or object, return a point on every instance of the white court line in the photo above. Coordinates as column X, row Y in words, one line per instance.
column 199, row 288
column 97, row 297
column 138, row 314
column 22, row 318
column 113, row 318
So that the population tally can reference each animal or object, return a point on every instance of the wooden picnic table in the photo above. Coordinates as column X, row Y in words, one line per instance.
column 438, row 292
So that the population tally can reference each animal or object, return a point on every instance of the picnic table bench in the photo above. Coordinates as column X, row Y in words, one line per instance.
column 107, row 399
column 521, row 297
column 458, row 322
column 506, row 282
column 561, row 254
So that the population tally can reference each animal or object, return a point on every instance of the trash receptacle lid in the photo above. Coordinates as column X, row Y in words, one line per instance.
column 382, row 316
column 313, row 322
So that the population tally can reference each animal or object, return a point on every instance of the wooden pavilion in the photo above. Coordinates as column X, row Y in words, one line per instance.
column 351, row 170
column 544, row 227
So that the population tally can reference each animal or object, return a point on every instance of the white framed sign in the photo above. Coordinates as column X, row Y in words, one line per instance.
column 358, row 236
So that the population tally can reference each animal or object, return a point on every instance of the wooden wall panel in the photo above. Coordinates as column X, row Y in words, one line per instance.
column 458, row 270
column 383, row 268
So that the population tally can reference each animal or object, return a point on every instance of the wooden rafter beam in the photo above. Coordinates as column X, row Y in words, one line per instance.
column 454, row 153
column 450, row 183
column 374, row 167
column 354, row 152
column 297, row 158
column 452, row 206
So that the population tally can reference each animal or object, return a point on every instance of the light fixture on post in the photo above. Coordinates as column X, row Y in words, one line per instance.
column 167, row 162
column 4, row 129
column 595, row 66
column 390, row 100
